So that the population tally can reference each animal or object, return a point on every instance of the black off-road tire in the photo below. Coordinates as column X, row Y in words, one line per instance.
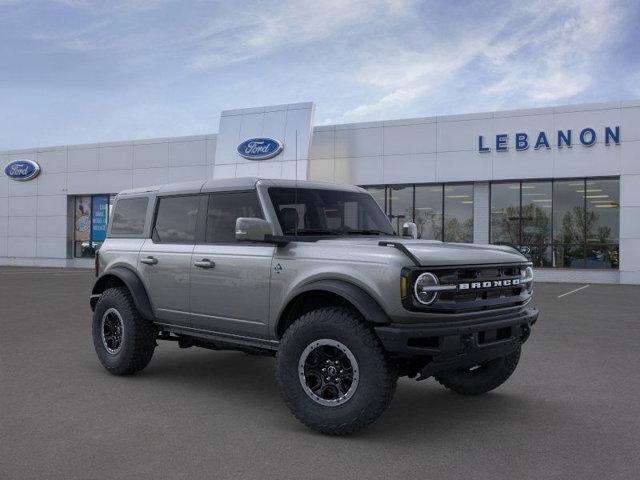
column 377, row 374
column 138, row 339
column 482, row 379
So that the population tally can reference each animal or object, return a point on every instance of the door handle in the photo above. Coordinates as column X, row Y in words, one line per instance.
column 149, row 260
column 204, row 263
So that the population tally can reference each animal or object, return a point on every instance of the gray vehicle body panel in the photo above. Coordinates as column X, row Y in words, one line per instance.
column 245, row 294
column 219, row 296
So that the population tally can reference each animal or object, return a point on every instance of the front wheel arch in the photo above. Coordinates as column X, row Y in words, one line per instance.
column 329, row 293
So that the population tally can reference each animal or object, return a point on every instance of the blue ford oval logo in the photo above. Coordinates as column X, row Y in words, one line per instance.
column 22, row 170
column 260, row 148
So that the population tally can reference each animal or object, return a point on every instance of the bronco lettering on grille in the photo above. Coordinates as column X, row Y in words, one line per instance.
column 510, row 282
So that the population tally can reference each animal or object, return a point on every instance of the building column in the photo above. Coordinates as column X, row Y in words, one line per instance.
column 629, row 229
column 481, row 208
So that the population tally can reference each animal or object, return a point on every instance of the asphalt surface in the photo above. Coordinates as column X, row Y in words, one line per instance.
column 571, row 410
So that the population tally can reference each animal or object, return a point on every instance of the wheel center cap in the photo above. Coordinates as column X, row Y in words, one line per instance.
column 332, row 370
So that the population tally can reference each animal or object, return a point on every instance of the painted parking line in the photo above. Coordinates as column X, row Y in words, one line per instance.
column 573, row 291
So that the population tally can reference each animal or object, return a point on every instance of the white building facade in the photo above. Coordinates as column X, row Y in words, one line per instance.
column 561, row 184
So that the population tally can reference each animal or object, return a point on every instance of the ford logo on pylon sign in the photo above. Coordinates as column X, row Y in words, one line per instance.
column 260, row 148
column 22, row 170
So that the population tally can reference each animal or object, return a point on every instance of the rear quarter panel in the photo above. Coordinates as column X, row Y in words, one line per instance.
column 120, row 252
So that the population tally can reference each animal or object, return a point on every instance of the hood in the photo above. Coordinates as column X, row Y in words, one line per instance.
column 435, row 253
column 439, row 253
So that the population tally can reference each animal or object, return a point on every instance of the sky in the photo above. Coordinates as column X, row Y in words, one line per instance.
column 80, row 71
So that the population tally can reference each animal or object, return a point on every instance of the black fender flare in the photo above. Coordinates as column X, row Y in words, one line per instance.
column 132, row 281
column 357, row 296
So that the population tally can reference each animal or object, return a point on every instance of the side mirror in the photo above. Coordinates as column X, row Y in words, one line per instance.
column 252, row 229
column 410, row 229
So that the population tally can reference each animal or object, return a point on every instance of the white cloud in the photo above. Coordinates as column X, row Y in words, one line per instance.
column 543, row 52
column 288, row 24
column 555, row 63
column 112, row 5
column 359, row 60
column 404, row 77
column 398, row 98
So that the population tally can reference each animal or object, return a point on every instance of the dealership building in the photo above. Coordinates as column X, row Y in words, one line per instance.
column 561, row 184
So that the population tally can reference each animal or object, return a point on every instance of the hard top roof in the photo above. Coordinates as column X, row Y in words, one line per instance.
column 226, row 184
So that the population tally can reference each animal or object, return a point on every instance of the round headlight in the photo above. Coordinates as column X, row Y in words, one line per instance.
column 526, row 275
column 421, row 288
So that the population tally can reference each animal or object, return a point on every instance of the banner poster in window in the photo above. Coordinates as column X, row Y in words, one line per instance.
column 99, row 217
column 82, row 229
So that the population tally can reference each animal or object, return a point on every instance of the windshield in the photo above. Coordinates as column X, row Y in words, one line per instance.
column 310, row 211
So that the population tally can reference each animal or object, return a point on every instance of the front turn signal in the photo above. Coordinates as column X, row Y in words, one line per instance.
column 403, row 287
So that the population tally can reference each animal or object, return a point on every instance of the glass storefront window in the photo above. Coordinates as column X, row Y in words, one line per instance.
column 91, row 217
column 400, row 206
column 505, row 213
column 428, row 211
column 564, row 223
column 569, row 223
column 441, row 212
column 458, row 213
column 603, row 211
column 568, row 256
column 536, row 221
column 568, row 212
column 603, row 223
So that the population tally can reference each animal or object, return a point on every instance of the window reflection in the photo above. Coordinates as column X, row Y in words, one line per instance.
column 602, row 256
column 565, row 223
column 441, row 212
column 568, row 212
column 568, row 256
column 536, row 221
column 603, row 223
column 428, row 212
column 505, row 213
column 569, row 223
column 400, row 206
column 603, row 211
column 458, row 213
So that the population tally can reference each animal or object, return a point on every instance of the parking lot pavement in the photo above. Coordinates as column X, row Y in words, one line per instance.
column 571, row 410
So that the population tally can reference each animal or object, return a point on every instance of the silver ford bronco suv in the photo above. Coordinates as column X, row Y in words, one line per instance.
column 313, row 274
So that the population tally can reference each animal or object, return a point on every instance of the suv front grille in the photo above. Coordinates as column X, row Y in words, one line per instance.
column 477, row 296
column 471, row 275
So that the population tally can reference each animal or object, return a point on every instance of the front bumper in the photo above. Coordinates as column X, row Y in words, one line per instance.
column 464, row 344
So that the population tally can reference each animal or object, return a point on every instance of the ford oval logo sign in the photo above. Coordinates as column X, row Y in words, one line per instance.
column 260, row 148
column 22, row 170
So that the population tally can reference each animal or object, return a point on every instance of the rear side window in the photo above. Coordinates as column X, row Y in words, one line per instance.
column 176, row 219
column 128, row 216
column 224, row 209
